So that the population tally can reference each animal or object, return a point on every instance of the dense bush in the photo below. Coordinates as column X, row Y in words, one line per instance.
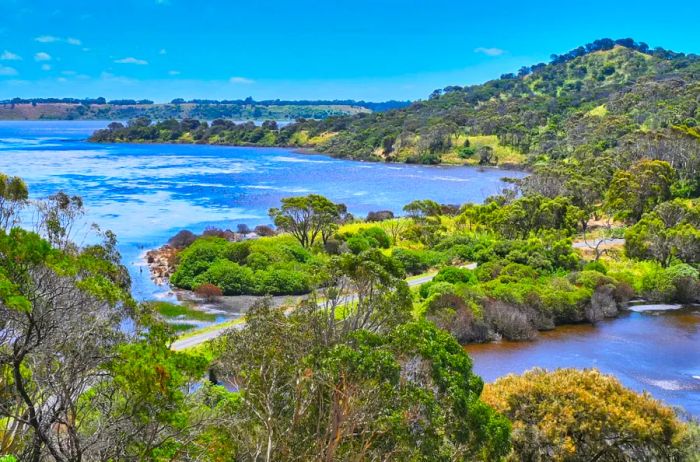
column 572, row 415
column 275, row 265
column 417, row 261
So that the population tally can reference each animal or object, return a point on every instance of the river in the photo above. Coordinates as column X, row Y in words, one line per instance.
column 654, row 351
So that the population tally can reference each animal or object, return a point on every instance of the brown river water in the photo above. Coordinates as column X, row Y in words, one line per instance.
column 654, row 351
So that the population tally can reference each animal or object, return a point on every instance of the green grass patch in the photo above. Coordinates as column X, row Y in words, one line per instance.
column 171, row 310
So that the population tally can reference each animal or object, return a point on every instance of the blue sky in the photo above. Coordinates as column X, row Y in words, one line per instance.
column 373, row 50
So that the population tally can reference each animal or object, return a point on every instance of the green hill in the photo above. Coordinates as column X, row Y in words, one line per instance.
column 585, row 102
column 617, row 99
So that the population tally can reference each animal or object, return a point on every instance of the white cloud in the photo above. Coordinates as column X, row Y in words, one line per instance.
column 46, row 67
column 163, row 51
column 7, row 70
column 131, row 60
column 42, row 56
column 9, row 56
column 241, row 80
column 489, row 51
column 174, row 72
column 47, row 39
column 62, row 79
column 54, row 39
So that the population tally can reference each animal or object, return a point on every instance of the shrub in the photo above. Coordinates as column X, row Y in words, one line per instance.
column 455, row 275
column 572, row 415
column 377, row 237
column 435, row 287
column 208, row 292
column 417, row 261
column 451, row 313
column 232, row 278
column 182, row 239
column 281, row 282
column 596, row 266
column 358, row 244
column 381, row 215
column 509, row 320
column 262, row 230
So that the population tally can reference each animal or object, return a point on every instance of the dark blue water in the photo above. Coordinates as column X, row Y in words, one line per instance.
column 146, row 193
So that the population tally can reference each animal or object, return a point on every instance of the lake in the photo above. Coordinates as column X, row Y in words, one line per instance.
column 146, row 193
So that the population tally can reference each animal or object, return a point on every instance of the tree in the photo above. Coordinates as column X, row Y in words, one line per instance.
column 406, row 394
column 485, row 155
column 365, row 291
column 671, row 230
column 638, row 190
column 306, row 217
column 70, row 375
column 572, row 415
column 183, row 238
column 13, row 198
column 209, row 292
column 262, row 230
column 56, row 217
column 243, row 229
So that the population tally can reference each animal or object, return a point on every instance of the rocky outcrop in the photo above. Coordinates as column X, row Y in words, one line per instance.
column 161, row 263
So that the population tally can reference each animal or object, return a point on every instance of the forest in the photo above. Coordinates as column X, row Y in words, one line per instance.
column 241, row 109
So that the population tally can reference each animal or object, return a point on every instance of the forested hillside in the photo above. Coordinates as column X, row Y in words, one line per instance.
column 607, row 98
column 123, row 109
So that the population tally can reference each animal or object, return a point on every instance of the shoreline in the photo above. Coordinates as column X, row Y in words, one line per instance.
column 307, row 150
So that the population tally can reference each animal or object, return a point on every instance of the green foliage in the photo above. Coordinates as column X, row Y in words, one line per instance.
column 634, row 192
column 455, row 275
column 307, row 218
column 677, row 283
column 412, row 385
column 670, row 232
column 417, row 261
column 171, row 310
column 273, row 265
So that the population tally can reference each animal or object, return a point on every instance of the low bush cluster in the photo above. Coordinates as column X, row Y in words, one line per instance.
column 264, row 266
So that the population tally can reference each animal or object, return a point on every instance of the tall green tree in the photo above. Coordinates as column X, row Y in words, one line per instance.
column 307, row 217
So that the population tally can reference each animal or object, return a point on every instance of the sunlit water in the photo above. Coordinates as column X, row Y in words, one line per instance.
column 146, row 193
column 654, row 351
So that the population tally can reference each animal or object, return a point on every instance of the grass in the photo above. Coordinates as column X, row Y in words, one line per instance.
column 181, row 326
column 598, row 111
column 505, row 154
column 171, row 310
column 212, row 328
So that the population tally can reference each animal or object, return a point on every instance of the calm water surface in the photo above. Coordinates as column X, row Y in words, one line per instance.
column 146, row 193
column 654, row 351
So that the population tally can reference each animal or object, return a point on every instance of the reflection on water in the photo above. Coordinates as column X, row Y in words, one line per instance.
column 654, row 351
